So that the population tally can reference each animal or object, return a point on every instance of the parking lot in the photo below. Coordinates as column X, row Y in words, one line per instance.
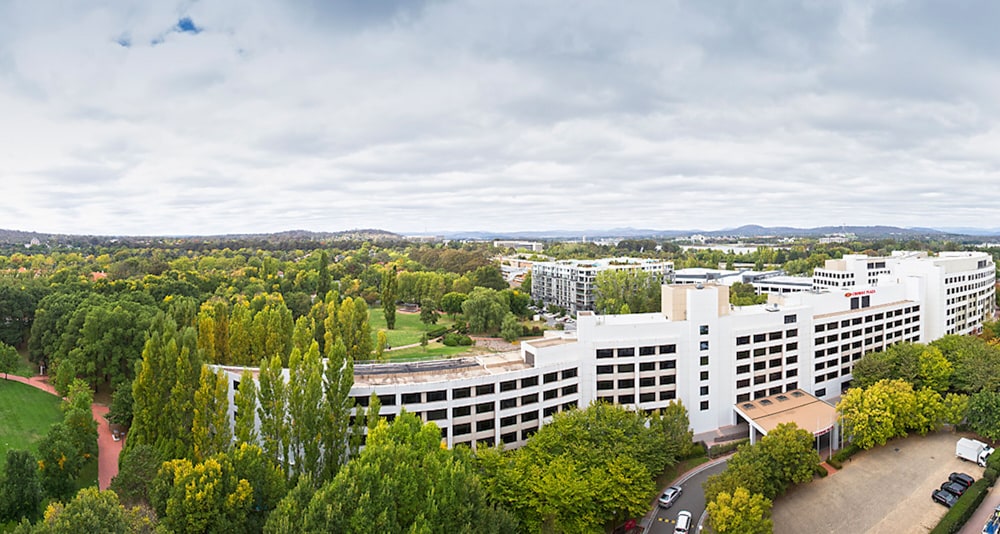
column 883, row 490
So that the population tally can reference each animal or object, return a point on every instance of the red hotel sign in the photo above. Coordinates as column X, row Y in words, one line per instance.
column 859, row 293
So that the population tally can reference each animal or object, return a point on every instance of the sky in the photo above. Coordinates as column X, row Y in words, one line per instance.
column 421, row 117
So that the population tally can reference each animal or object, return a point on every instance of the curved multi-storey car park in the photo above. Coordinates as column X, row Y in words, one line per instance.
column 698, row 349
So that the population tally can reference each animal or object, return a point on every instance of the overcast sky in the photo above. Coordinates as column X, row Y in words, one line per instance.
column 227, row 116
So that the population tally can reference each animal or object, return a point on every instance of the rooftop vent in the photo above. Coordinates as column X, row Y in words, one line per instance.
column 781, row 398
column 748, row 406
column 797, row 394
column 765, row 402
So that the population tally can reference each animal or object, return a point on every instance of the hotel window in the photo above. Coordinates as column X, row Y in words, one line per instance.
column 485, row 389
column 626, row 368
column 743, row 340
column 668, row 349
column 703, row 345
column 627, row 352
column 704, row 405
column 605, row 353
column 507, row 404
column 605, row 369
column 461, row 393
column 703, row 329
column 704, row 375
column 461, row 411
column 435, row 396
column 647, row 351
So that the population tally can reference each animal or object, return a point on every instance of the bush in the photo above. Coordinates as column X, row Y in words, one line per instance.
column 955, row 519
column 718, row 450
column 694, row 450
column 820, row 471
column 457, row 340
column 437, row 331
column 837, row 460
column 990, row 474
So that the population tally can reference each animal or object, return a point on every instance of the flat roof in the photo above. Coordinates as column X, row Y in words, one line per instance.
column 549, row 342
column 437, row 370
column 796, row 406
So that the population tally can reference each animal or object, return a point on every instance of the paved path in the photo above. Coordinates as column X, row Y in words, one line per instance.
column 975, row 523
column 108, row 448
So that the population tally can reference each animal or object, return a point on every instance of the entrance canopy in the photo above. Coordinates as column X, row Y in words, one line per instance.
column 796, row 406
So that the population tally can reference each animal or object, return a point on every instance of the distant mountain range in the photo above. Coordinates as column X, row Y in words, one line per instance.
column 751, row 230
column 17, row 237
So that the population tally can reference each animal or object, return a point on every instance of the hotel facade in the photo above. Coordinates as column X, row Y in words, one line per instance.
column 699, row 349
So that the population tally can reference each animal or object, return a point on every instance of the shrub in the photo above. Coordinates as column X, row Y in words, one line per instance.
column 456, row 340
column 990, row 474
column 718, row 450
column 841, row 456
column 820, row 470
column 694, row 450
column 437, row 331
column 955, row 519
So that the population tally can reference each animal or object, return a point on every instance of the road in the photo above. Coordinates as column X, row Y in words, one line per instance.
column 692, row 500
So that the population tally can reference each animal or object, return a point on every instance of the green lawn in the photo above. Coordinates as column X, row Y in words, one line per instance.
column 26, row 414
column 408, row 329
column 434, row 351
column 24, row 367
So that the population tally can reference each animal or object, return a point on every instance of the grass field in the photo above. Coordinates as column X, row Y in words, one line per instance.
column 26, row 414
column 434, row 351
column 408, row 329
column 24, row 367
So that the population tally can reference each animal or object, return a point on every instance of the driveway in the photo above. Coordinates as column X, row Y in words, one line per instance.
column 692, row 499
column 880, row 491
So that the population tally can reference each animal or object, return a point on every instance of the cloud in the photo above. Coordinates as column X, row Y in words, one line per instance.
column 208, row 117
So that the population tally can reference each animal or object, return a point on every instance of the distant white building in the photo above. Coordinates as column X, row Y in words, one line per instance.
column 713, row 357
column 570, row 283
column 533, row 246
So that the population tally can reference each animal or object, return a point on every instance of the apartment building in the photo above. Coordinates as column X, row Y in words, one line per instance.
column 699, row 349
column 570, row 283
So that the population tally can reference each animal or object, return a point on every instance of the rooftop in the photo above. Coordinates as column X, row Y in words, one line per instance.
column 794, row 406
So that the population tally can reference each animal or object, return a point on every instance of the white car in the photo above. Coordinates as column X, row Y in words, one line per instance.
column 683, row 522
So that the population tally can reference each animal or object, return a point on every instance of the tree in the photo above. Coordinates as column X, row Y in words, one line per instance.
column 984, row 414
column 202, row 497
column 740, row 513
column 137, row 468
column 381, row 341
column 403, row 481
column 526, row 283
column 338, row 377
column 451, row 303
column 287, row 517
column 955, row 408
column 59, row 462
column 354, row 329
column 389, row 291
column 510, row 329
column 581, row 472
column 741, row 294
column 9, row 359
column 91, row 510
column 640, row 290
column 323, row 283
column 935, row 371
column 428, row 312
column 305, row 410
column 272, row 410
column 488, row 276
column 163, row 390
column 20, row 491
column 245, row 399
column 485, row 310
column 673, row 422
column 210, row 426
column 877, row 414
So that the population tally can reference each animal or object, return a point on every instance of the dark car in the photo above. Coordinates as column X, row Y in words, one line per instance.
column 944, row 497
column 670, row 495
column 961, row 478
column 954, row 487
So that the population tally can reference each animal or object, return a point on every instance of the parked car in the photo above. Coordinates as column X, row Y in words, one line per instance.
column 683, row 522
column 944, row 497
column 962, row 479
column 954, row 487
column 670, row 495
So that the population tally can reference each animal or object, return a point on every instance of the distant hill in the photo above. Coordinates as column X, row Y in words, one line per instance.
column 750, row 230
column 18, row 237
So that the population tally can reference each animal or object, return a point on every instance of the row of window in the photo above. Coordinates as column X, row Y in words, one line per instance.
column 629, row 352
column 771, row 336
column 630, row 367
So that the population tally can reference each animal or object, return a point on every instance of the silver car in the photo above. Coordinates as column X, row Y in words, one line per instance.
column 670, row 495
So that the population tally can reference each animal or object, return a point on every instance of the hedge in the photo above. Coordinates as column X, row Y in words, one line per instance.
column 718, row 450
column 437, row 331
column 957, row 515
column 837, row 460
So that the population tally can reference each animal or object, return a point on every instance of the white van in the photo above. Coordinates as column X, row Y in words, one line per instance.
column 683, row 522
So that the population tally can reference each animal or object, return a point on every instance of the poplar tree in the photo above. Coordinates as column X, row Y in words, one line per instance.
column 305, row 408
column 245, row 399
column 163, row 390
column 240, row 324
column 338, row 379
column 323, row 284
column 354, row 329
column 210, row 428
column 272, row 410
column 389, row 290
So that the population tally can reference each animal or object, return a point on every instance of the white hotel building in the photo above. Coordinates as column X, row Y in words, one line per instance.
column 699, row 349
